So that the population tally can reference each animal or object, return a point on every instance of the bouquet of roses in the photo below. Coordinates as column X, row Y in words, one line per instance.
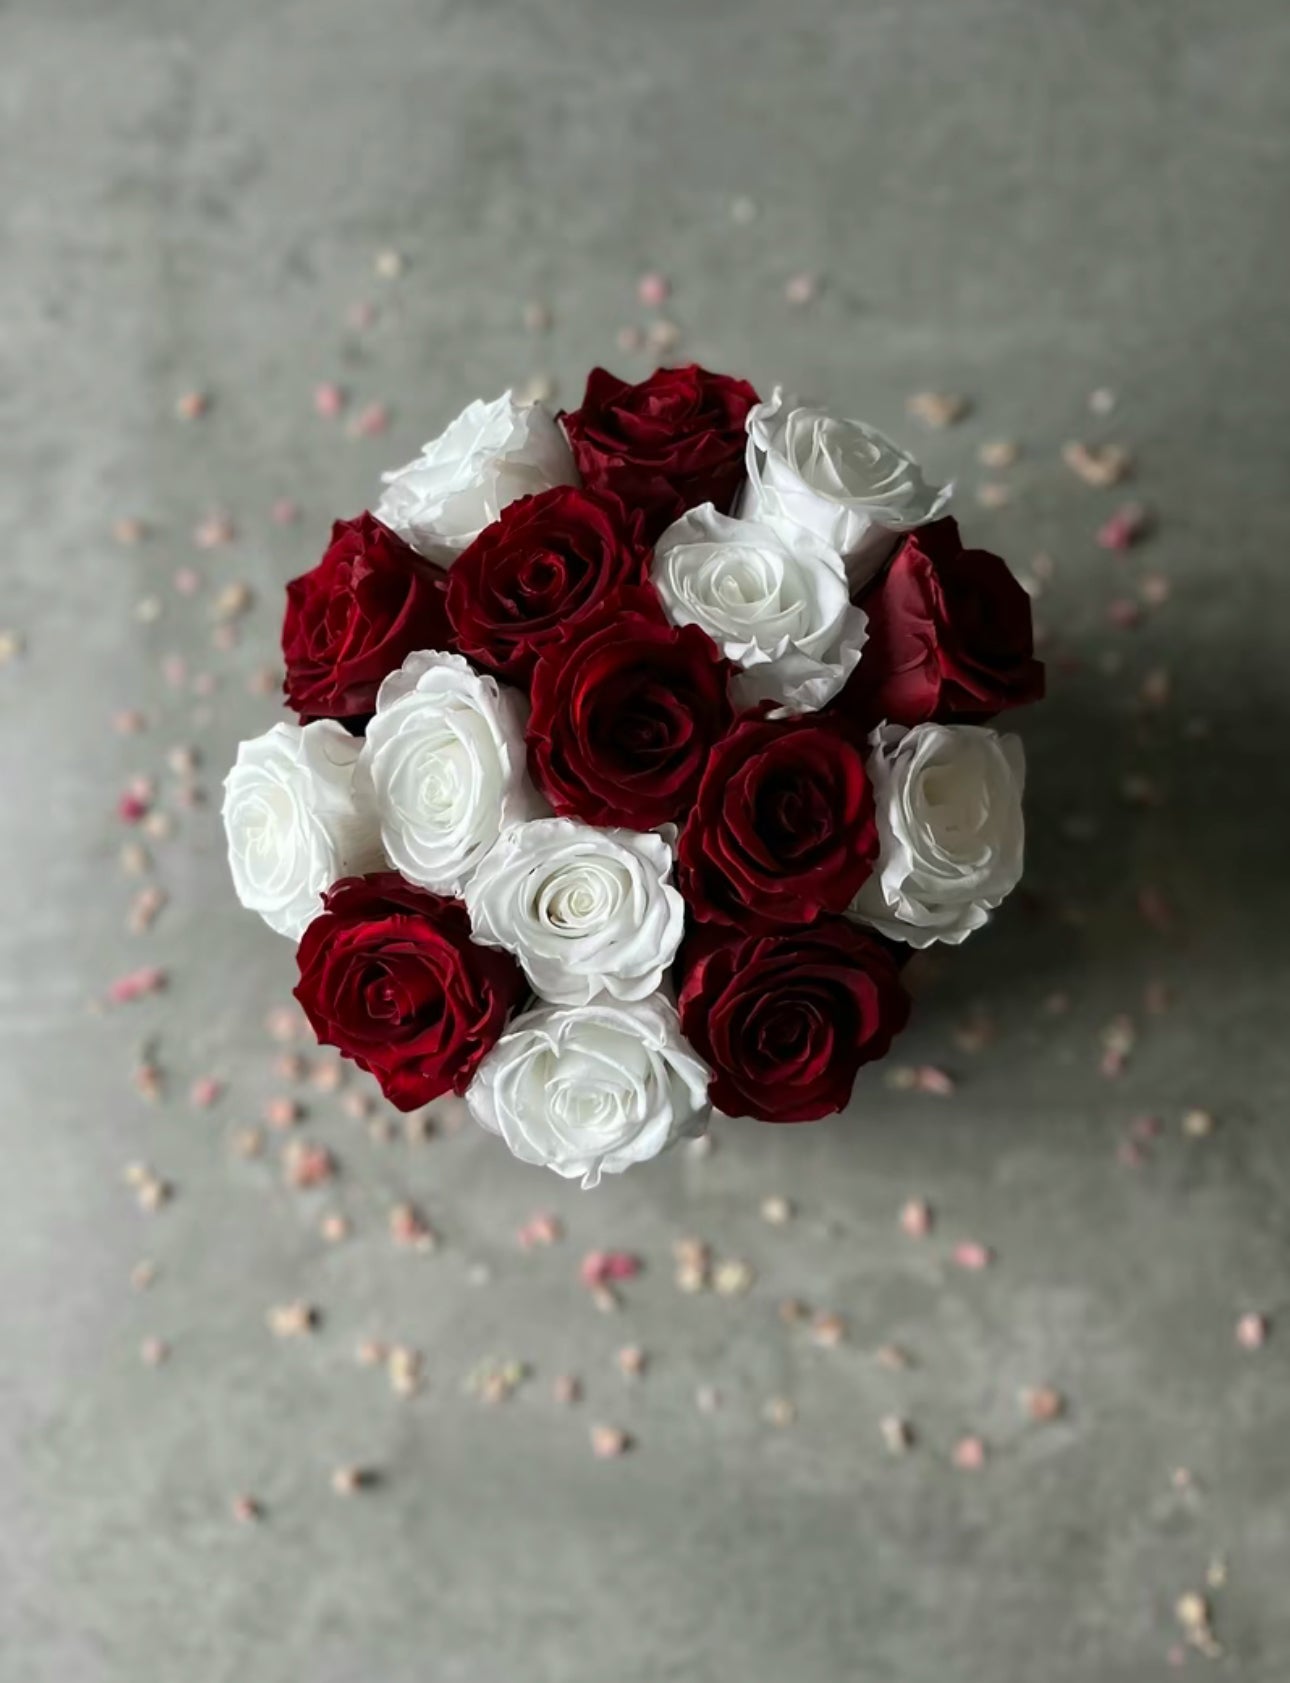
column 637, row 746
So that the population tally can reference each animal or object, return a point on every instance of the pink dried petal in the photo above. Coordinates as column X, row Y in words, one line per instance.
column 285, row 512
column 371, row 421
column 306, row 1165
column 969, row 1454
column 972, row 1256
column 132, row 808
column 1127, row 526
column 653, row 289
column 205, row 1091
column 285, row 1023
column 541, row 1229
column 410, row 1229
column 800, row 289
column 609, row 1442
column 929, row 1079
column 599, row 1267
column 191, row 406
column 329, row 399
column 136, row 984
column 283, row 1111
column 1043, row 1404
column 1252, row 1331
column 214, row 532
column 916, row 1218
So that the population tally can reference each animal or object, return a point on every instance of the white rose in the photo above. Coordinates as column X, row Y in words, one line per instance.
column 444, row 763
column 772, row 596
column 591, row 1089
column 948, row 800
column 842, row 480
column 489, row 456
column 586, row 911
column 293, row 822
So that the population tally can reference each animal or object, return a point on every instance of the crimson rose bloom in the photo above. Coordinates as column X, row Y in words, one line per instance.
column 542, row 565
column 390, row 976
column 950, row 637
column 674, row 440
column 625, row 711
column 786, row 1020
column 353, row 618
column 784, row 828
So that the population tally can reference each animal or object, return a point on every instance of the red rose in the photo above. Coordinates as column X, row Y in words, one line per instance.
column 785, row 1021
column 625, row 711
column 674, row 440
column 784, row 827
column 950, row 636
column 390, row 976
column 354, row 617
column 542, row 565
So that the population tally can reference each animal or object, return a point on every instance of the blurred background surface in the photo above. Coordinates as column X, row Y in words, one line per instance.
column 1069, row 219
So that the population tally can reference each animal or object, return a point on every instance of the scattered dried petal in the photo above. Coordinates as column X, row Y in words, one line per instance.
column 1043, row 1403
column 937, row 409
column 1098, row 465
column 653, row 290
column 916, row 1218
column 897, row 1434
column 732, row 1278
column 969, row 1454
column 1126, row 527
column 609, row 1442
column 1252, row 1331
column 410, row 1230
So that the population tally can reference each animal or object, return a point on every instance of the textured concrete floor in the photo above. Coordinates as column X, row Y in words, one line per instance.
column 1013, row 199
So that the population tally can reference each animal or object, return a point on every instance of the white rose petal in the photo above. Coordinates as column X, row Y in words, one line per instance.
column 492, row 454
column 773, row 596
column 588, row 1090
column 295, row 821
column 443, row 761
column 952, row 836
column 586, row 911
column 842, row 480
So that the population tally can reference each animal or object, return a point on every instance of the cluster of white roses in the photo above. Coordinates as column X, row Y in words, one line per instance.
column 597, row 1074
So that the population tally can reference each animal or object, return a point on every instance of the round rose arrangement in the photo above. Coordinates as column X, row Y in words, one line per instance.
column 636, row 747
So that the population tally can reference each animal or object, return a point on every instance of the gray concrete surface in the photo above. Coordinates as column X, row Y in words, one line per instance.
column 1016, row 200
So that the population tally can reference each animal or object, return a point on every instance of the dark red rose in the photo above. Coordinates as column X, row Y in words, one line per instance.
column 785, row 1021
column 625, row 711
column 950, row 636
column 354, row 617
column 784, row 827
column 543, row 565
column 390, row 976
column 674, row 440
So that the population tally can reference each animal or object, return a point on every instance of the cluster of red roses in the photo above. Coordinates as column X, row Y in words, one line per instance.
column 631, row 724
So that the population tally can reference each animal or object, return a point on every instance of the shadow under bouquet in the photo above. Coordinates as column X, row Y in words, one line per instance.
column 636, row 748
